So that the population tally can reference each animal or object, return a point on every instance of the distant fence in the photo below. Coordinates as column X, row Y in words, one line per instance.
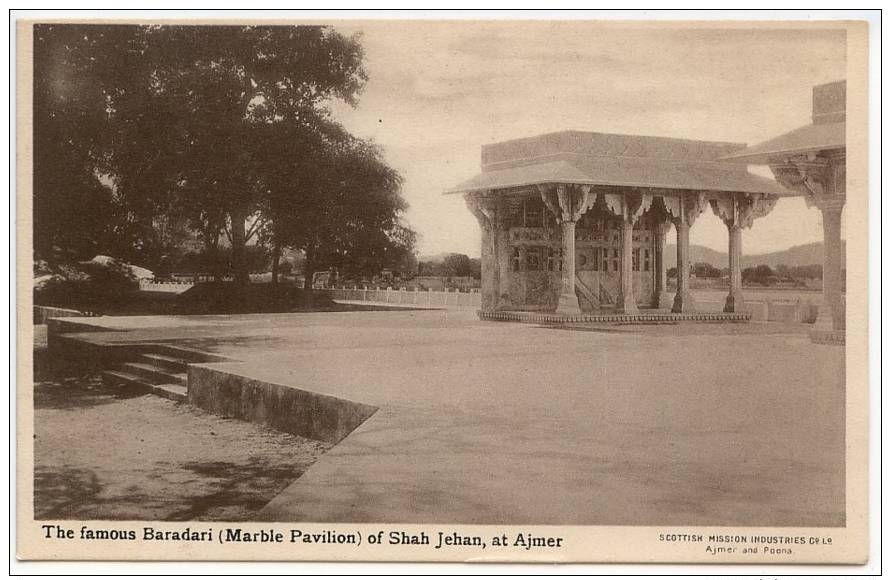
column 169, row 287
column 761, row 310
column 433, row 298
column 43, row 313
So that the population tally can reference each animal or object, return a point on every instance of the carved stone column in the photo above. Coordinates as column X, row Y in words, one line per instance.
column 503, row 252
column 734, row 301
column 683, row 299
column 821, row 177
column 685, row 209
column 483, row 207
column 661, row 224
column 727, row 209
column 629, row 206
column 625, row 300
column 739, row 211
column 567, row 203
column 568, row 302
column 661, row 297
column 832, row 313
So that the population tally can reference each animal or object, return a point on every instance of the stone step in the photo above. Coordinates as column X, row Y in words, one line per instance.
column 168, row 391
column 173, row 392
column 155, row 375
column 121, row 378
column 170, row 363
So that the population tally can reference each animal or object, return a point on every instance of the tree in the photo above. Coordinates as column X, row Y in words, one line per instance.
column 706, row 270
column 457, row 265
column 223, row 128
column 72, row 206
column 195, row 121
column 760, row 274
column 335, row 198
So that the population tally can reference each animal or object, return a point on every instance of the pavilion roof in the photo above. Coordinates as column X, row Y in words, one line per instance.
column 616, row 160
column 826, row 131
column 825, row 136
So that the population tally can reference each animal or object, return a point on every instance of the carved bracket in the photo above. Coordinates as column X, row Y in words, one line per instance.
column 686, row 206
column 566, row 201
column 742, row 209
column 817, row 176
column 628, row 205
column 754, row 206
column 482, row 206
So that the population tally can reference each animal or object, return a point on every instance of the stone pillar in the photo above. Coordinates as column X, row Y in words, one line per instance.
column 683, row 299
column 483, row 208
column 568, row 302
column 503, row 253
column 567, row 203
column 821, row 177
column 625, row 300
column 738, row 211
column 832, row 311
column 685, row 209
column 734, row 301
column 661, row 297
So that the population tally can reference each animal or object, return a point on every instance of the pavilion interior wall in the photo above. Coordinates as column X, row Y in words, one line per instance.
column 527, row 255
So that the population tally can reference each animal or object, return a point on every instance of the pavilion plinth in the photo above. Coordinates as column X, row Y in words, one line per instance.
column 640, row 317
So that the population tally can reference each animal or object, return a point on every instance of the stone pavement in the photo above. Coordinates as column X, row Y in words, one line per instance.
column 486, row 422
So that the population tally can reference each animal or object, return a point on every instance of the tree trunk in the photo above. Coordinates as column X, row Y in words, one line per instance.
column 308, row 271
column 239, row 261
column 212, row 246
column 276, row 258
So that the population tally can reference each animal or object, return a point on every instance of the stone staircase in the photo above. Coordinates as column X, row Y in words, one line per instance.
column 581, row 289
column 164, row 375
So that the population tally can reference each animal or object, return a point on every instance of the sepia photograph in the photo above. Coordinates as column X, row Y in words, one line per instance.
column 495, row 290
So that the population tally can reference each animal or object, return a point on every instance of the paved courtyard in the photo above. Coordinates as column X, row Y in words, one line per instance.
column 512, row 423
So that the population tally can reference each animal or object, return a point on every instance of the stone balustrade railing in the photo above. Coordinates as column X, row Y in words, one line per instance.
column 396, row 296
column 761, row 310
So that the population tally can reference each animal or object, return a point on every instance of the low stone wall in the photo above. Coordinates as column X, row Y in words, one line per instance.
column 44, row 313
column 396, row 296
column 288, row 409
column 768, row 311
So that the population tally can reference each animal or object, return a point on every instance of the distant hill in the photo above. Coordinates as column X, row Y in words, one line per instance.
column 803, row 255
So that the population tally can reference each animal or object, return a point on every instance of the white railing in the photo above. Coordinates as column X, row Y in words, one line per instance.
column 761, row 310
column 402, row 296
column 169, row 287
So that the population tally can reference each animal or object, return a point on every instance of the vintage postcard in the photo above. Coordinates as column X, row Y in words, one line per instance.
column 442, row 290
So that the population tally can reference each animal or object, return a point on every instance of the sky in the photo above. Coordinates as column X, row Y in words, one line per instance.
column 438, row 91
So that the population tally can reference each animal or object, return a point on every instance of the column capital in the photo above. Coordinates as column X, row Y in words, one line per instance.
column 827, row 202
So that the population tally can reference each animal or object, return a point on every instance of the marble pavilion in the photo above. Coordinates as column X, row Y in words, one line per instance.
column 575, row 222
